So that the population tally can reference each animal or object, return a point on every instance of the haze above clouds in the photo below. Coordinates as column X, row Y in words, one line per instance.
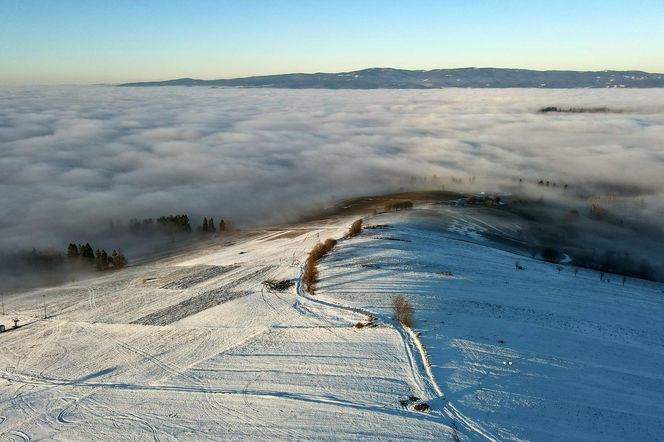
column 73, row 158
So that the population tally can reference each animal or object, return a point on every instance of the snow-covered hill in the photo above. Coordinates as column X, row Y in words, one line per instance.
column 531, row 354
column 196, row 347
column 116, row 357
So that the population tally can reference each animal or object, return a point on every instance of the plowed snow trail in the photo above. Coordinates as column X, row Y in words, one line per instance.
column 265, row 365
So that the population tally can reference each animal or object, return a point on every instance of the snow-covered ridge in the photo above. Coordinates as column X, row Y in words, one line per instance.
column 196, row 346
column 529, row 354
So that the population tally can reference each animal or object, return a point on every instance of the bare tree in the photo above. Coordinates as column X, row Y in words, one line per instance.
column 403, row 311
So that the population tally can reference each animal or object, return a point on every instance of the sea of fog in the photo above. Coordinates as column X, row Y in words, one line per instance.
column 74, row 158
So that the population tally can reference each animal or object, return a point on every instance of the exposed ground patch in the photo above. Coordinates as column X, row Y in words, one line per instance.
column 189, row 307
column 195, row 278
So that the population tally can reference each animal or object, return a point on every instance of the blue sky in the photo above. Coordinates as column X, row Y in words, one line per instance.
column 69, row 41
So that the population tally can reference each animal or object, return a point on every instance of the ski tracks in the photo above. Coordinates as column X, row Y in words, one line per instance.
column 424, row 381
column 62, row 417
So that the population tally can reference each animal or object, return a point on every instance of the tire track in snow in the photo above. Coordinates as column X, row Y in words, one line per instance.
column 425, row 383
column 424, row 386
column 134, row 418
column 38, row 352
column 240, row 392
column 21, row 435
column 128, row 417
column 209, row 394
column 415, row 374
column 63, row 414
column 91, row 298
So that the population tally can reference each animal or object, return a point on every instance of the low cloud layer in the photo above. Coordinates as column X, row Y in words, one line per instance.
column 72, row 158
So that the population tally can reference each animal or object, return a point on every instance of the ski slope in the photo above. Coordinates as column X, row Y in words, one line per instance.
column 194, row 346
column 117, row 357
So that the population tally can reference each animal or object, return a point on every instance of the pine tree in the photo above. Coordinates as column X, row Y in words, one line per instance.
column 86, row 252
column 98, row 261
column 118, row 260
column 72, row 251
column 104, row 260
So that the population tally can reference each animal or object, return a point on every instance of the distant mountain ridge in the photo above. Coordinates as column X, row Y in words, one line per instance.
column 388, row 78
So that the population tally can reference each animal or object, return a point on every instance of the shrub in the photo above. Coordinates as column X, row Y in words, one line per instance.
column 317, row 252
column 322, row 249
column 403, row 311
column 398, row 205
column 310, row 275
column 355, row 228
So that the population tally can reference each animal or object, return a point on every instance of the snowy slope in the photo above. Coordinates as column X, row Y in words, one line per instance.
column 116, row 357
column 195, row 347
column 524, row 354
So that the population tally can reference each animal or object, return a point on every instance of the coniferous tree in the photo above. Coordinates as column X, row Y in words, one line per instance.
column 104, row 260
column 118, row 260
column 184, row 223
column 87, row 252
column 98, row 261
column 174, row 223
column 72, row 251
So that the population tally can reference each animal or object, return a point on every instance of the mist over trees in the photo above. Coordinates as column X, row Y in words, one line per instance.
column 133, row 179
column 84, row 257
column 173, row 225
column 209, row 226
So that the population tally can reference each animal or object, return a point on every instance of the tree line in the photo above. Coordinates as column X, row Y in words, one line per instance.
column 99, row 258
column 209, row 226
column 176, row 224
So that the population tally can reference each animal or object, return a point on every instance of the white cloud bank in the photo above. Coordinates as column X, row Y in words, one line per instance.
column 72, row 157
